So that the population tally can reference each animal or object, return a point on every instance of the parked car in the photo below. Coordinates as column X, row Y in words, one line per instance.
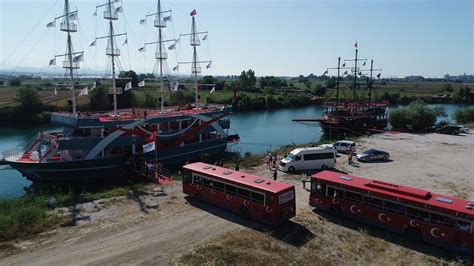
column 449, row 129
column 345, row 146
column 464, row 129
column 308, row 159
column 327, row 146
column 373, row 155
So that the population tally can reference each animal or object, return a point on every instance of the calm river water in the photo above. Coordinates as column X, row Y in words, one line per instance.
column 259, row 131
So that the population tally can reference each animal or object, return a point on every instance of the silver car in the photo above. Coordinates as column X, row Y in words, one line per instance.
column 373, row 155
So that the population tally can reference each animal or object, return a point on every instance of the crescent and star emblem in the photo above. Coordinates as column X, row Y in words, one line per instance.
column 335, row 201
column 414, row 223
column 383, row 218
column 435, row 233
column 228, row 197
column 354, row 209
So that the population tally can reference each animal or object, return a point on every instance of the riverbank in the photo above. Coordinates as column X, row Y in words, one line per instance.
column 161, row 225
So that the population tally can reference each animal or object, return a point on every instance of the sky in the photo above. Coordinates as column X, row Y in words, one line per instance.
column 273, row 37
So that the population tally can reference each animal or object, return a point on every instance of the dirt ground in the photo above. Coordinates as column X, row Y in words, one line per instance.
column 163, row 227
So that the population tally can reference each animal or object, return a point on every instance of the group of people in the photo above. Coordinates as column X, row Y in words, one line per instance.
column 271, row 160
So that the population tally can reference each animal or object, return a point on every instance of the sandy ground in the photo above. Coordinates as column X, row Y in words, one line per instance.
column 160, row 226
column 437, row 162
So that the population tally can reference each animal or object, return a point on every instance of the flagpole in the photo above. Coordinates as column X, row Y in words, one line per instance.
column 355, row 74
column 370, row 84
column 338, row 69
column 69, row 44
column 196, row 91
column 160, row 42
column 112, row 54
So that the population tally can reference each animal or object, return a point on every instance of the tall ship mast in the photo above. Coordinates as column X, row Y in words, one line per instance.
column 358, row 116
column 160, row 22
column 115, row 144
column 72, row 59
column 111, row 14
column 195, row 42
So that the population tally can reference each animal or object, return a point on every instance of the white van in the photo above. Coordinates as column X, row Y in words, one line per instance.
column 308, row 159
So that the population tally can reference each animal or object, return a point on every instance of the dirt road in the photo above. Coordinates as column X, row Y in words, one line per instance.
column 160, row 226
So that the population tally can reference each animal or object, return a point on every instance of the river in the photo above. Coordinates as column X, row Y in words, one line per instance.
column 259, row 131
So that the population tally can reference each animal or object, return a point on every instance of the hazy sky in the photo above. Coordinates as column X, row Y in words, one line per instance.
column 411, row 37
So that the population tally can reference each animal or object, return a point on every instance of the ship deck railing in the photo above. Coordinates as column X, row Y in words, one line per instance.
column 354, row 105
column 142, row 113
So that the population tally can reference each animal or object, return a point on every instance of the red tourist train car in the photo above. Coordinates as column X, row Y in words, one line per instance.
column 419, row 214
column 250, row 196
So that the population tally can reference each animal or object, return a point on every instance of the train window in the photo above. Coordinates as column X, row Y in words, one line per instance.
column 318, row 188
column 219, row 186
column 418, row 214
column 257, row 197
column 463, row 226
column 354, row 197
column 187, row 177
column 244, row 193
column 335, row 193
column 394, row 207
column 231, row 189
column 373, row 202
column 442, row 220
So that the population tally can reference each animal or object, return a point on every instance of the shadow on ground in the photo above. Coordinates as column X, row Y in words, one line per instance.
column 397, row 239
column 289, row 232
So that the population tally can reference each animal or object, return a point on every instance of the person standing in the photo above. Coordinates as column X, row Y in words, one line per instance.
column 349, row 157
column 275, row 175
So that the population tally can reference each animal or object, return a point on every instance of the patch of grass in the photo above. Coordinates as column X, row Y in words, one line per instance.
column 469, row 125
column 251, row 160
column 177, row 177
column 28, row 215
column 25, row 216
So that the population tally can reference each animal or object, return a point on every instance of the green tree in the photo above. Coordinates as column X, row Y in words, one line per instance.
column 417, row 117
column 208, row 80
column 448, row 87
column 248, row 80
column 331, row 83
column 99, row 99
column 319, row 90
column 14, row 82
column 464, row 115
column 128, row 74
column 29, row 101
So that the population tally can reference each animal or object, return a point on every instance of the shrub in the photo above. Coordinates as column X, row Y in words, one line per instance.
column 14, row 82
column 464, row 115
column 416, row 117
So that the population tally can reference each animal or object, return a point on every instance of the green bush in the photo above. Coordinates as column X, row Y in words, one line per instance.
column 416, row 117
column 464, row 115
column 14, row 82
column 24, row 216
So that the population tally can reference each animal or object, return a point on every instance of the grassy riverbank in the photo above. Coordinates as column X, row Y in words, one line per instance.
column 29, row 214
column 39, row 96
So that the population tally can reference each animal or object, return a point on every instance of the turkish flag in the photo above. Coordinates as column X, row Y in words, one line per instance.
column 193, row 13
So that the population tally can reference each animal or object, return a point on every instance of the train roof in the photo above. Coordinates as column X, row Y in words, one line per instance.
column 238, row 177
column 403, row 194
